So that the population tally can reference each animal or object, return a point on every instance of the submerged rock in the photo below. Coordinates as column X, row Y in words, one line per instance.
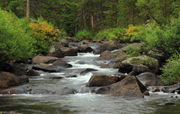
column 103, row 80
column 130, row 86
column 87, row 71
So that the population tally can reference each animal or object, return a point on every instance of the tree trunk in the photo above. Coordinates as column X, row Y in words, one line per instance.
column 27, row 9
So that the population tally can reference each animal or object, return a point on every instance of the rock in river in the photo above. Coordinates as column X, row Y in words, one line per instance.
column 102, row 80
column 130, row 86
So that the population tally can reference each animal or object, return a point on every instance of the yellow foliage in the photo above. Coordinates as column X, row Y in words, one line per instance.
column 131, row 30
column 45, row 31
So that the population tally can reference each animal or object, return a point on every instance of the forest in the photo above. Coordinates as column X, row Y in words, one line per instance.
column 39, row 32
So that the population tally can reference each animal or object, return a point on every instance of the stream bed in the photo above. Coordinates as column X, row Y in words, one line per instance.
column 83, row 102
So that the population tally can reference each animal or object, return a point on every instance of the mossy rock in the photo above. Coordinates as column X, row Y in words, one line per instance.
column 150, row 62
column 134, row 49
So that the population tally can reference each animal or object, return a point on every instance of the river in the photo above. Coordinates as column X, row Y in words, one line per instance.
column 82, row 102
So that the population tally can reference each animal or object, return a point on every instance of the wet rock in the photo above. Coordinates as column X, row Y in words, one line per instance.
column 7, row 91
column 156, row 90
column 7, row 80
column 137, row 69
column 23, row 79
column 102, row 80
column 130, row 86
column 71, row 76
column 170, row 103
column 84, row 48
column 61, row 63
column 172, row 88
column 125, row 68
column 20, row 69
column 150, row 62
column 87, row 71
column 33, row 73
column 47, row 68
column 148, row 79
column 66, row 91
column 52, row 89
column 70, row 51
column 43, row 59
column 107, row 46
column 57, row 78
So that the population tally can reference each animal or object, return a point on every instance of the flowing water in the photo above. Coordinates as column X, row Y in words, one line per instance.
column 82, row 102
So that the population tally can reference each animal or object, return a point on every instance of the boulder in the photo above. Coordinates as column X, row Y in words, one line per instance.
column 102, row 80
column 70, row 51
column 87, row 71
column 125, row 68
column 23, row 79
column 106, row 55
column 148, row 79
column 85, row 41
column 150, row 62
column 7, row 80
column 130, row 86
column 137, row 69
column 61, row 63
column 84, row 48
column 47, row 68
column 107, row 46
column 57, row 53
column 43, row 59
column 172, row 88
column 33, row 73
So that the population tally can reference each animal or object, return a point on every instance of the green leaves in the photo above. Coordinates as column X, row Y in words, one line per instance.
column 84, row 34
column 16, row 43
column 171, row 72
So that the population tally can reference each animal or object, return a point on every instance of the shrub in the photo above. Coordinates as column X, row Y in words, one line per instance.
column 45, row 34
column 84, row 34
column 109, row 34
column 164, row 38
column 16, row 42
column 134, row 49
column 171, row 71
column 130, row 34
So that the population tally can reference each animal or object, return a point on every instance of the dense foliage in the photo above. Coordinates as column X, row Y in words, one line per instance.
column 84, row 34
column 45, row 34
column 16, row 43
column 171, row 72
column 109, row 34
